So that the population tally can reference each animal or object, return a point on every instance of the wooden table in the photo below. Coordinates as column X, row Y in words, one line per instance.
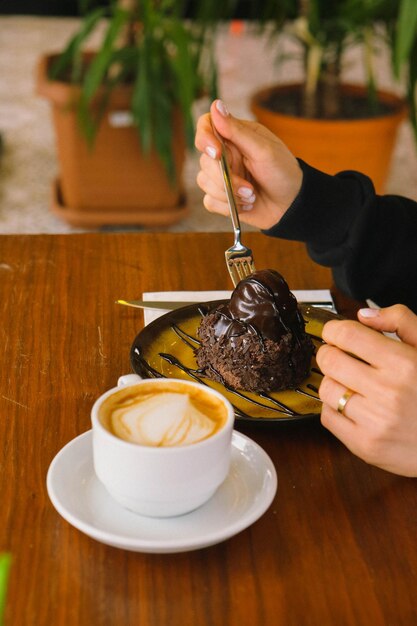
column 338, row 546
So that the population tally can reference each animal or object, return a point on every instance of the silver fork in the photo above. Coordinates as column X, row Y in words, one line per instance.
column 239, row 258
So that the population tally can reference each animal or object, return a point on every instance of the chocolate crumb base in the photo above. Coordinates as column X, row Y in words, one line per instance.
column 243, row 362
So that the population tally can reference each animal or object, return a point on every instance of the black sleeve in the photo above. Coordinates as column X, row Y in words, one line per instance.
column 369, row 241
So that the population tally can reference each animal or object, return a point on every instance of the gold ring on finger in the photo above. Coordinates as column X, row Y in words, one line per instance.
column 341, row 405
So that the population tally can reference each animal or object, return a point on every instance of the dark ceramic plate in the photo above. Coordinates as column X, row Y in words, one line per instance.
column 165, row 348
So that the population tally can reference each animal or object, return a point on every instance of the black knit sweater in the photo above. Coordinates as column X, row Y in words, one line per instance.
column 369, row 241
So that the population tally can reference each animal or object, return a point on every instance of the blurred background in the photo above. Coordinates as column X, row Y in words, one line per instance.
column 247, row 59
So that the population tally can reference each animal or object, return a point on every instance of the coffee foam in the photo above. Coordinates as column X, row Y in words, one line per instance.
column 163, row 416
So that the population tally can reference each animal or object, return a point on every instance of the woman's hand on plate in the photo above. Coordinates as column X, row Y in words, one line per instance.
column 379, row 420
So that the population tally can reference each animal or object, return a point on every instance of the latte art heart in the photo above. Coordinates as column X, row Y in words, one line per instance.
column 164, row 419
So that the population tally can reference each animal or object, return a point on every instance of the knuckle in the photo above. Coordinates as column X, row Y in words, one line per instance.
column 325, row 416
column 394, row 400
column 207, row 201
column 400, row 311
column 204, row 161
column 268, row 152
column 399, row 315
column 346, row 331
column 337, row 331
column 407, row 370
column 325, row 389
column 200, row 179
column 327, row 358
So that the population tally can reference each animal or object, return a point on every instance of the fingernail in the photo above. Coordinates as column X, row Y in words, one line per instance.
column 247, row 207
column 245, row 192
column 211, row 152
column 222, row 108
column 369, row 312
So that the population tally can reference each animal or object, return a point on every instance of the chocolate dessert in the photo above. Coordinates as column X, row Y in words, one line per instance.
column 257, row 340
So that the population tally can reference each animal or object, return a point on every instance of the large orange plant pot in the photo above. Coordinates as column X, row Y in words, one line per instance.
column 112, row 182
column 365, row 145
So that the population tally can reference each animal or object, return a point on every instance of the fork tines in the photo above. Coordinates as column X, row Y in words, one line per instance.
column 239, row 267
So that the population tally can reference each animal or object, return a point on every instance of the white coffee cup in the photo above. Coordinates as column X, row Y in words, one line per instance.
column 158, row 480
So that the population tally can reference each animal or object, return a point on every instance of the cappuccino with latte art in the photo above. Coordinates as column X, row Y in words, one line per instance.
column 171, row 415
column 162, row 447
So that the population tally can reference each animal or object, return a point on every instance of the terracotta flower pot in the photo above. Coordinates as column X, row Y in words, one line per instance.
column 113, row 182
column 365, row 145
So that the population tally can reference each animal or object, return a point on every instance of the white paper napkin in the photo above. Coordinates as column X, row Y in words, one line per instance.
column 305, row 295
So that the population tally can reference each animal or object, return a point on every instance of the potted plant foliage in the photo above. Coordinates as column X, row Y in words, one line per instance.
column 335, row 126
column 123, row 113
column 5, row 561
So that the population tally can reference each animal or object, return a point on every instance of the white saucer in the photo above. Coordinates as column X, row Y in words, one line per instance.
column 82, row 500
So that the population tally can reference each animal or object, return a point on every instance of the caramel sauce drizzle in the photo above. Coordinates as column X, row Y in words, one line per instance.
column 273, row 404
column 253, row 308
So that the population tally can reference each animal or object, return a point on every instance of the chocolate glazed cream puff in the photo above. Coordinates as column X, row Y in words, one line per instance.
column 257, row 340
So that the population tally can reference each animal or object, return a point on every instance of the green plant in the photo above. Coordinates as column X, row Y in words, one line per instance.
column 405, row 53
column 326, row 29
column 5, row 560
column 167, row 60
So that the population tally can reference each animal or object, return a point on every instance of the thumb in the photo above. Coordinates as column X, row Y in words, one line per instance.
column 248, row 137
column 393, row 319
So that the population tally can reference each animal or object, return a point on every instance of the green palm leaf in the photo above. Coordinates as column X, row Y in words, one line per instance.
column 406, row 33
column 168, row 61
column 70, row 57
column 5, row 561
